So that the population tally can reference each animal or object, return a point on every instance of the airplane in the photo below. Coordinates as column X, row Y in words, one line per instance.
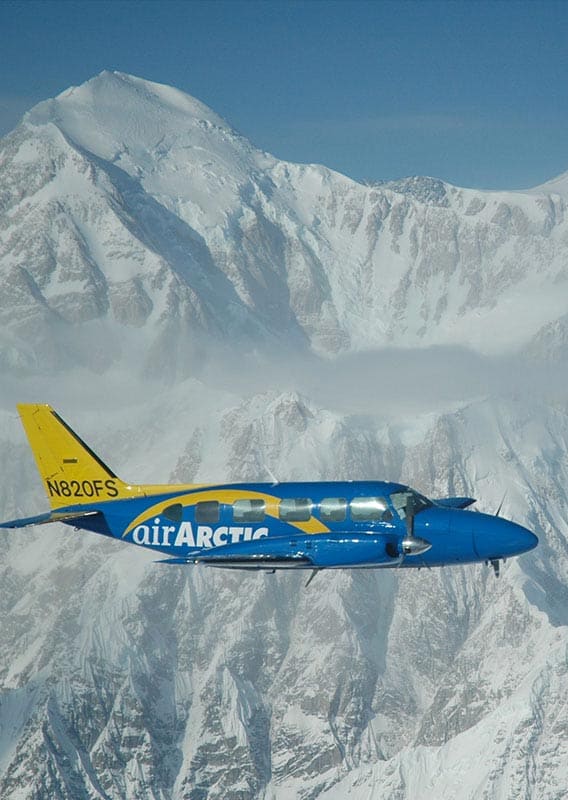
column 262, row 526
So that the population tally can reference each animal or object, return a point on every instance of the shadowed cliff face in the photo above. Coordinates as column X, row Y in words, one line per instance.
column 199, row 311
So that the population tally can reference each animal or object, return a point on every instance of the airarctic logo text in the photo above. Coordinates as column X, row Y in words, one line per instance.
column 159, row 535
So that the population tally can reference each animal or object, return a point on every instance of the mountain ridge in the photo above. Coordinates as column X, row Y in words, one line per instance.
column 189, row 212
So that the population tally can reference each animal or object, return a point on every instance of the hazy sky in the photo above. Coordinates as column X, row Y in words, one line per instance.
column 472, row 92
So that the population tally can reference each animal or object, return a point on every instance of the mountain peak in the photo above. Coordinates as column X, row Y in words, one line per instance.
column 121, row 85
column 114, row 110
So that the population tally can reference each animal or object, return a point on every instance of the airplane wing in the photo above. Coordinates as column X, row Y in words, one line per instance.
column 251, row 562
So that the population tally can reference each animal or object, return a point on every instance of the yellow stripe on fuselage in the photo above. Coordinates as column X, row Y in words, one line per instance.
column 226, row 496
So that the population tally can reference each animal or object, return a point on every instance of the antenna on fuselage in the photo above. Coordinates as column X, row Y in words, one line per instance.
column 273, row 478
column 312, row 576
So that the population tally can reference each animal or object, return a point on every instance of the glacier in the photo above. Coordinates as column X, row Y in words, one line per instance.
column 199, row 310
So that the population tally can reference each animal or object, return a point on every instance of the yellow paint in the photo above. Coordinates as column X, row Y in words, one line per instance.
column 73, row 475
column 66, row 465
column 227, row 496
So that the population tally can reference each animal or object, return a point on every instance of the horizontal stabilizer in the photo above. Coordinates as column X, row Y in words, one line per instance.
column 44, row 519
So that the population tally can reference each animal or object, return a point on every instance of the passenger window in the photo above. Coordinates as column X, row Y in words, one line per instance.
column 370, row 509
column 249, row 510
column 333, row 509
column 207, row 511
column 174, row 512
column 295, row 509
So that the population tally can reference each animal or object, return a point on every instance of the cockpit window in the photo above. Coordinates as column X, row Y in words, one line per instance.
column 400, row 502
column 369, row 509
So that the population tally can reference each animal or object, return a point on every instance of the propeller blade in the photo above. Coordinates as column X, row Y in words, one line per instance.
column 501, row 505
column 410, row 517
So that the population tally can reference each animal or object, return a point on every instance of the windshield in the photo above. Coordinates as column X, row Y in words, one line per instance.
column 400, row 502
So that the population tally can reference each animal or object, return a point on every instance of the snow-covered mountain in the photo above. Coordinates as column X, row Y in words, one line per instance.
column 199, row 310
column 129, row 204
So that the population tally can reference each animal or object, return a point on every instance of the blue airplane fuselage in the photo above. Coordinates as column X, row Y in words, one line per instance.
column 332, row 524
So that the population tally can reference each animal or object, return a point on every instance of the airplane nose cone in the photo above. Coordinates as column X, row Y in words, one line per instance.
column 531, row 540
column 522, row 540
column 498, row 538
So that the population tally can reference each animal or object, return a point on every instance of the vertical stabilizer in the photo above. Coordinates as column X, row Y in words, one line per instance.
column 71, row 473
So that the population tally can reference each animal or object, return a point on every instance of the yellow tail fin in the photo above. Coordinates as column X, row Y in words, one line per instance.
column 71, row 473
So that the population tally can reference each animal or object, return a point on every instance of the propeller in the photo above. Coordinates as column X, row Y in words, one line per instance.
column 495, row 562
column 497, row 513
column 412, row 545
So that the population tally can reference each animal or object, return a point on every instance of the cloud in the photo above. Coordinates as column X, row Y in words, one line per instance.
column 395, row 381
column 391, row 382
